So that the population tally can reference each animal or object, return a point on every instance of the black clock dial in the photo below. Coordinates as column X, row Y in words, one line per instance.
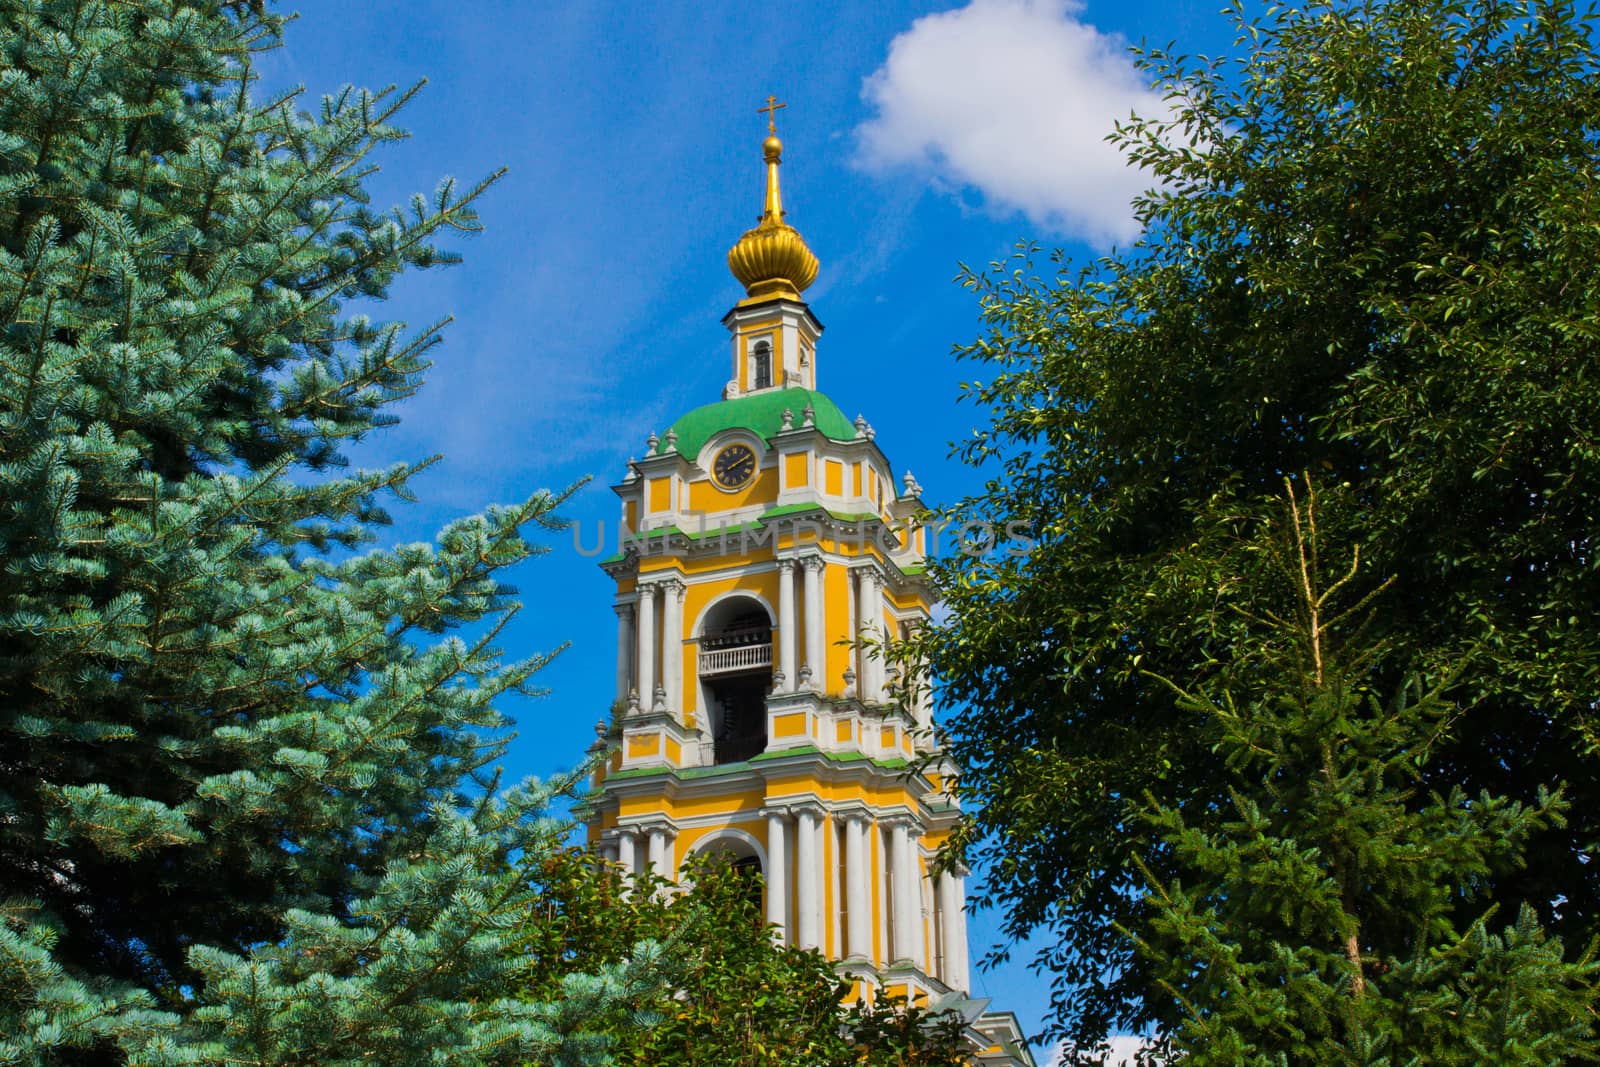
column 734, row 466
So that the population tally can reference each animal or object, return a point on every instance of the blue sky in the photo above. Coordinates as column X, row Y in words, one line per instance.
column 917, row 136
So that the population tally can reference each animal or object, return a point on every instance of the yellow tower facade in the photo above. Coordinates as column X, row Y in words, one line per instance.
column 769, row 550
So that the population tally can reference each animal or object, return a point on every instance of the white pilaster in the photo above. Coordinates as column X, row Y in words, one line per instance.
column 857, row 899
column 952, row 902
column 907, row 901
column 961, row 924
column 813, row 593
column 786, row 635
column 672, row 642
column 626, row 858
column 661, row 864
column 625, row 635
column 832, row 852
column 806, row 879
column 647, row 643
column 922, row 698
column 883, row 916
column 919, row 904
column 869, row 621
column 777, row 877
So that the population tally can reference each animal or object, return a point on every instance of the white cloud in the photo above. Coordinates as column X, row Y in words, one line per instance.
column 1014, row 98
column 1123, row 1049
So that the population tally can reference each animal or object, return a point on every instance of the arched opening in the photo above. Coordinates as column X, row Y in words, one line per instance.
column 733, row 848
column 736, row 676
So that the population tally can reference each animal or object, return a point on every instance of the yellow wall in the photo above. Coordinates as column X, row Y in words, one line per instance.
column 652, row 565
column 686, row 807
column 832, row 477
column 796, row 469
column 690, row 673
column 705, row 496
column 763, row 584
column 836, row 598
column 660, row 494
column 790, row 725
column 830, row 898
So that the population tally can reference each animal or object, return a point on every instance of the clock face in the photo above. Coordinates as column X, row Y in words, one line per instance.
column 734, row 466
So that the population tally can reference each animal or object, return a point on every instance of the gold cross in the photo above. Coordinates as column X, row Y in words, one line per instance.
column 772, row 113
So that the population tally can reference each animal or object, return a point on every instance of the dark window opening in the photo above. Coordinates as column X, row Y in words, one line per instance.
column 763, row 365
column 742, row 731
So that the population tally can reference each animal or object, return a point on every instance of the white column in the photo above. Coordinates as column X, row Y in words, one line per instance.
column 907, row 906
column 625, row 632
column 786, row 635
column 883, row 915
column 922, row 698
column 813, row 592
column 672, row 643
column 961, row 923
column 919, row 888
column 805, row 879
column 954, row 932
column 625, row 855
column 660, row 854
column 646, row 654
column 870, row 627
column 857, row 899
column 777, row 878
column 824, row 879
column 832, row 852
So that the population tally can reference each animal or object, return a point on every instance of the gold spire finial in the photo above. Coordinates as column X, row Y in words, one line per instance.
column 772, row 259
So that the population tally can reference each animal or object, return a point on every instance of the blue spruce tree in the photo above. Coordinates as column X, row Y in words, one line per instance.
column 246, row 812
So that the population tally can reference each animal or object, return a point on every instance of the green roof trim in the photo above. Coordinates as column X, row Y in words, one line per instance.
column 674, row 772
column 796, row 509
column 761, row 414
column 789, row 509
column 893, row 763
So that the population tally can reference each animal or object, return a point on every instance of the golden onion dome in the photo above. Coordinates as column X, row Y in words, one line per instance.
column 772, row 259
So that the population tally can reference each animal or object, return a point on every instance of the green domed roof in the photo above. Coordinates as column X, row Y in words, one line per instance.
column 761, row 414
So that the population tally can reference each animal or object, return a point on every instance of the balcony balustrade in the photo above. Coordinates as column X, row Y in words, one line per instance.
column 735, row 659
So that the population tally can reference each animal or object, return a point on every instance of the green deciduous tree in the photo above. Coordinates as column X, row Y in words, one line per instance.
column 1369, row 255
column 733, row 997
column 233, row 752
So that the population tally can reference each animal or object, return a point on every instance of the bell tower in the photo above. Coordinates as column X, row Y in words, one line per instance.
column 768, row 551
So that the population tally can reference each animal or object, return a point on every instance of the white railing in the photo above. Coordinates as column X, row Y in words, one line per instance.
column 738, row 658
